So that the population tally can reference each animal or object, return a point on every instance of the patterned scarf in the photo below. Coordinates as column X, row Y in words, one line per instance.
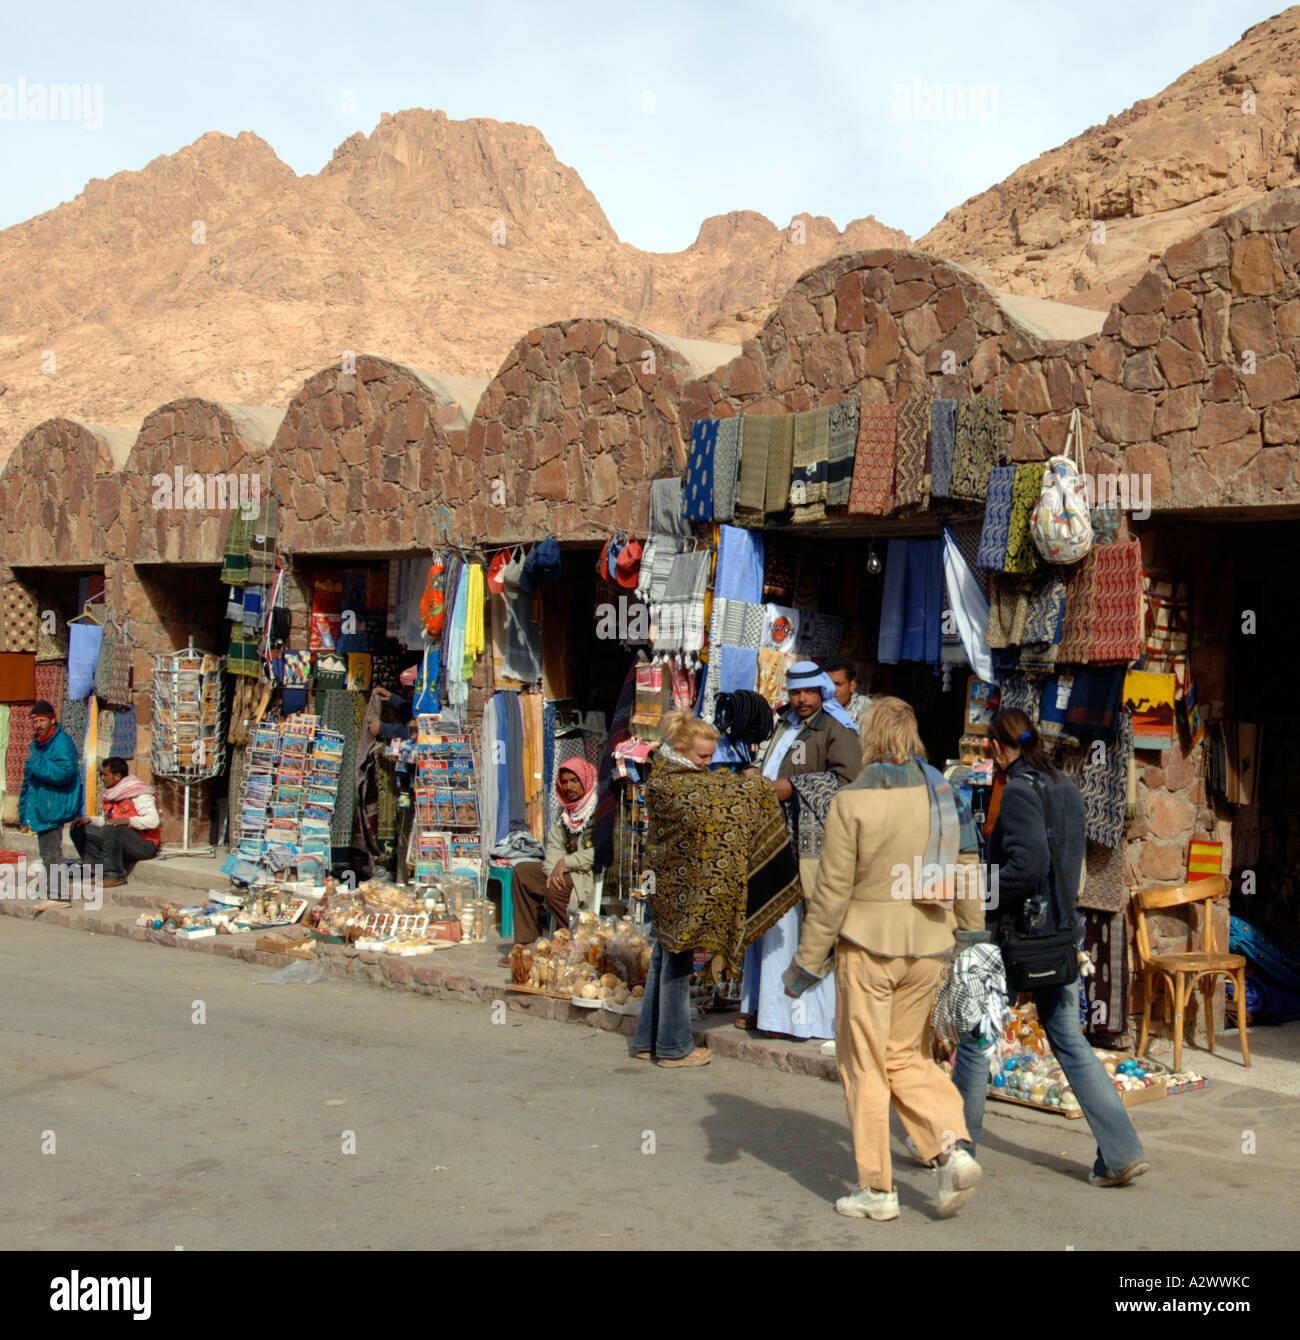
column 1106, row 990
column 992, row 555
column 872, row 490
column 913, row 434
column 755, row 435
column 780, row 463
column 726, row 468
column 952, row 831
column 943, row 434
column 699, row 471
column 724, row 873
column 1103, row 784
column 1076, row 623
column 1042, row 631
column 1022, row 556
column 812, row 436
column 1117, row 604
column 575, row 814
column 977, row 448
column 839, row 453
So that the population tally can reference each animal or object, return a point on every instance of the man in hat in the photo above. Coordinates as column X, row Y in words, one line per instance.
column 128, row 830
column 812, row 753
column 52, row 790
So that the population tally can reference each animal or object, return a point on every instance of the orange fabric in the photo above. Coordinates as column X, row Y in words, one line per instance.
column 995, row 802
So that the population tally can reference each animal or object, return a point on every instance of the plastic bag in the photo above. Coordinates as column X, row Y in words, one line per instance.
column 302, row 972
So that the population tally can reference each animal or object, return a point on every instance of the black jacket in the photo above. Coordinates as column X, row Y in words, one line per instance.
column 1018, row 844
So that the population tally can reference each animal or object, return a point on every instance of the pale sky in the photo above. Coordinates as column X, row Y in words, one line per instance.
column 670, row 111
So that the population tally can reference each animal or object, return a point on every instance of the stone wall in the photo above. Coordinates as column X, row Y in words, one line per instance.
column 574, row 425
column 372, row 460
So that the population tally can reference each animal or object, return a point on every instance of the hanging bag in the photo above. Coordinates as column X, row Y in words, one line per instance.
column 433, row 604
column 1040, row 946
column 1060, row 522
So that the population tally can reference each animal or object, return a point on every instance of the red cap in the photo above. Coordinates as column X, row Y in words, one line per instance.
column 496, row 571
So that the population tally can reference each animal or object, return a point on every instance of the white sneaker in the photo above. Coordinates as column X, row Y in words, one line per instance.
column 868, row 1204
column 957, row 1180
column 828, row 1049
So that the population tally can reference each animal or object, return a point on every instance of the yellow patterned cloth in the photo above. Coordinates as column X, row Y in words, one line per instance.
column 724, row 870
column 1022, row 556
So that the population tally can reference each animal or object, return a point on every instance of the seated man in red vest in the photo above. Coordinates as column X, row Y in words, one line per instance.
column 129, row 829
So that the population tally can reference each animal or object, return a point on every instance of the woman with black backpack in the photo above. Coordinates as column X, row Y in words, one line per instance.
column 1036, row 850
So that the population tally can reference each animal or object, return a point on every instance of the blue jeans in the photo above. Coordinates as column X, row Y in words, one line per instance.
column 664, row 1026
column 1058, row 1012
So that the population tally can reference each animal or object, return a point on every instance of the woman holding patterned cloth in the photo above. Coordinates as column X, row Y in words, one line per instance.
column 723, row 873
column 883, row 908
column 812, row 753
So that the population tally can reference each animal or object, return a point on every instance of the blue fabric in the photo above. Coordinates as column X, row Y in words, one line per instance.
column 84, row 642
column 1117, row 1142
column 943, row 435
column 548, row 759
column 699, row 471
column 502, row 767
column 737, row 668
column 52, row 782
column 992, row 553
column 1282, row 965
column 664, row 1024
column 911, row 612
column 739, row 574
column 295, row 700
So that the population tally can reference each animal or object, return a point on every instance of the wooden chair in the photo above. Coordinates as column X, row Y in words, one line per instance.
column 1179, row 973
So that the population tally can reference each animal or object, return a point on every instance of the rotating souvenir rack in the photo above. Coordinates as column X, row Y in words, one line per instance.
column 188, row 744
column 293, row 781
column 447, row 832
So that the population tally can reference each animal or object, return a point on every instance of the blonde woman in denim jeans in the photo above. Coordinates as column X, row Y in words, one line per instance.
column 1018, row 849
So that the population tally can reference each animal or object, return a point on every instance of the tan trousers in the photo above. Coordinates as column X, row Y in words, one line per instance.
column 881, row 1009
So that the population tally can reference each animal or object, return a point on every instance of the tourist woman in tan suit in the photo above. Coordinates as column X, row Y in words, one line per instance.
column 894, row 840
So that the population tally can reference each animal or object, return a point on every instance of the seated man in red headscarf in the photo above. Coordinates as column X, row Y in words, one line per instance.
column 565, row 879
column 128, row 830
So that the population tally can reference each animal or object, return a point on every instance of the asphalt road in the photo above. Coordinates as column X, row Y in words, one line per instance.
column 470, row 1133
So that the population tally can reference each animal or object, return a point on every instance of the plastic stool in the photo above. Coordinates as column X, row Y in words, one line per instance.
column 504, row 876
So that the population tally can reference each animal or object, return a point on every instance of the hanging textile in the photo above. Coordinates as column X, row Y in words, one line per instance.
column 338, row 712
column 1008, row 611
column 84, row 640
column 1102, row 778
column 491, row 747
column 668, row 507
column 1167, row 631
column 239, row 536
column 113, row 669
column 780, row 462
column 1096, row 703
column 20, row 739
column 73, row 719
column 1117, row 603
column 122, row 740
column 1105, row 885
column 1077, row 620
column 872, row 490
column 4, row 753
column 726, row 469
column 969, row 606
column 1054, row 710
column 977, row 447
column 840, row 451
column 812, row 438
column 90, row 758
column 911, row 614
column 474, row 639
column 1105, row 941
column 699, row 471
column 997, row 519
column 1022, row 555
column 19, row 619
column 53, row 645
column 913, row 418
column 261, row 543
column 1149, row 700
column 1021, row 693
column 1040, row 638
column 535, row 753
column 17, row 677
column 557, row 640
column 943, row 433
column 739, row 573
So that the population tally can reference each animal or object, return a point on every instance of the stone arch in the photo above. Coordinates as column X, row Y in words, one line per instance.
column 1169, row 388
column 576, row 421
column 365, row 459
column 61, row 493
column 204, row 437
column 891, row 323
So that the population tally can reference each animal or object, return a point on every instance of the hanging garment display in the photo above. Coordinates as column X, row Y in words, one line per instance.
column 668, row 508
column 812, row 437
column 943, row 435
column 1102, row 778
column 1022, row 554
column 996, row 530
column 1096, row 703
column 699, row 471
column 84, row 642
column 113, row 669
column 839, row 452
column 1105, row 884
column 978, row 446
column 1040, row 639
column 969, row 606
column 726, row 468
column 19, row 619
column 871, row 492
column 1077, row 619
column 17, row 677
column 1167, row 628
column 1117, row 603
column 1009, row 599
column 1106, row 989
column 911, row 612
column 780, row 462
column 913, row 417
column 1054, row 710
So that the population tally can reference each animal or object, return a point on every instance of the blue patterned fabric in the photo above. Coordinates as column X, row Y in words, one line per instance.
column 1046, row 610
column 911, row 613
column 943, row 436
column 548, row 759
column 699, row 471
column 992, row 552
column 124, row 733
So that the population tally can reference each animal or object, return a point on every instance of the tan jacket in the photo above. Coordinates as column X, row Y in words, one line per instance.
column 579, row 857
column 870, row 835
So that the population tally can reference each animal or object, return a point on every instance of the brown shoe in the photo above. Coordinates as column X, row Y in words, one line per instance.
column 747, row 1021
column 642, row 1056
column 700, row 1056
column 114, row 883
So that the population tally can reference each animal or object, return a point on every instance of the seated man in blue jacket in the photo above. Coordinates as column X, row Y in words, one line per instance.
column 52, row 784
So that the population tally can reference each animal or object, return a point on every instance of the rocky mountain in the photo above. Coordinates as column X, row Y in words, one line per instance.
column 218, row 271
column 1082, row 222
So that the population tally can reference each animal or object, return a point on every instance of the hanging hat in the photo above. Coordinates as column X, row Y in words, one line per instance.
column 616, row 547
column 543, row 564
column 602, row 563
column 496, row 571
column 628, row 568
